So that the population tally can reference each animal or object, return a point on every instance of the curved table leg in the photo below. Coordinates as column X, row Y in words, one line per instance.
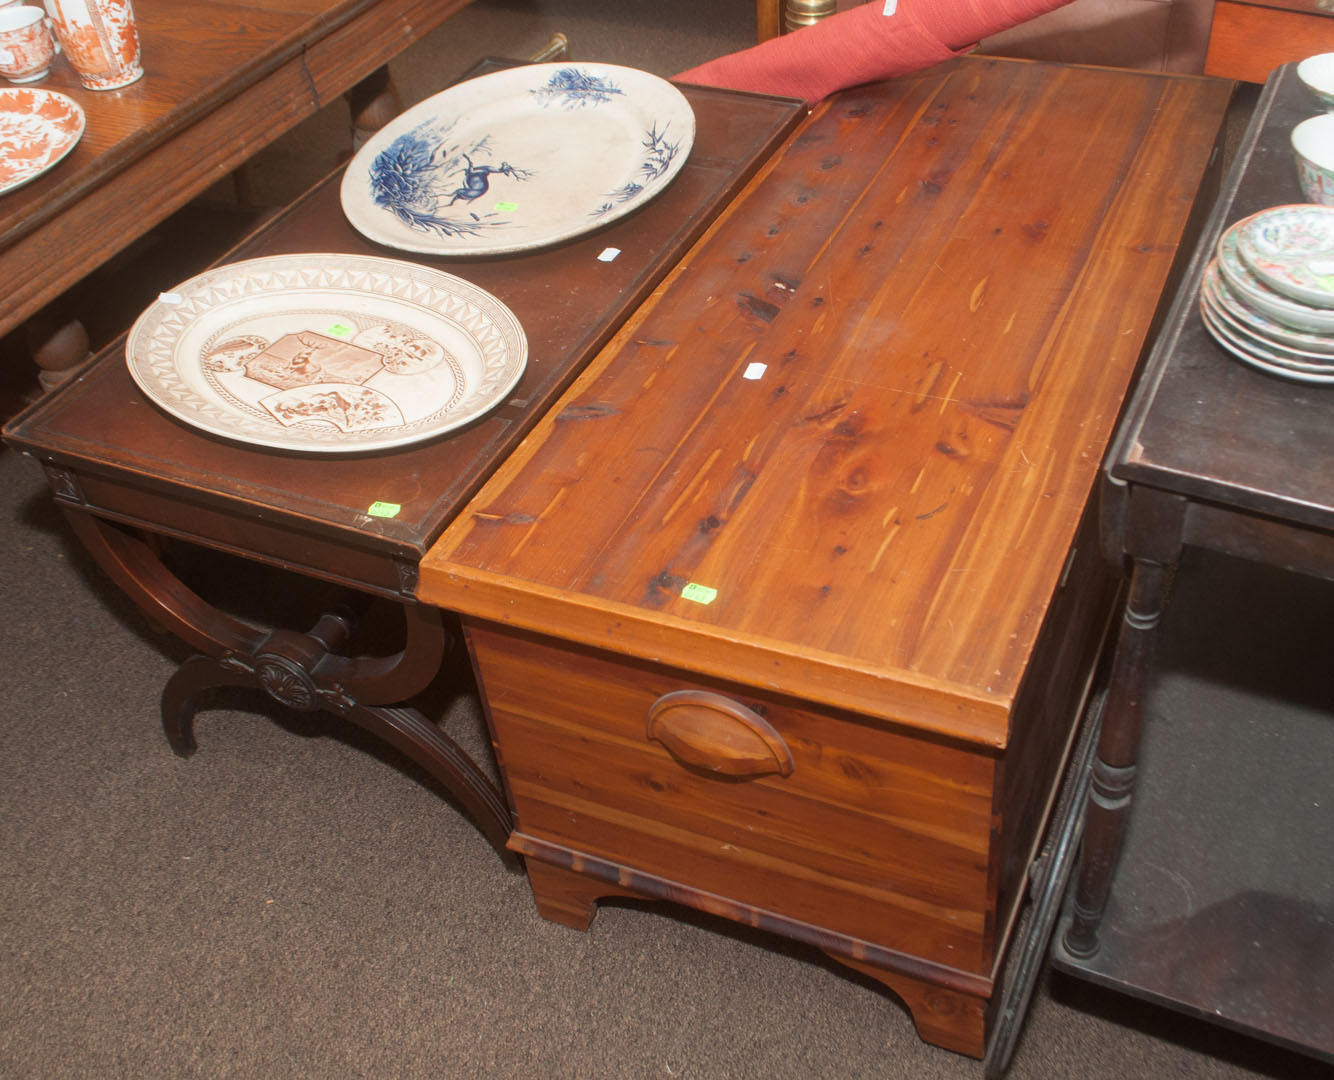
column 133, row 564
column 191, row 679
column 446, row 762
column 302, row 671
column 294, row 670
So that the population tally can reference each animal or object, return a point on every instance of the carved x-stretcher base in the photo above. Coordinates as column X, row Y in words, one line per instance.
column 303, row 671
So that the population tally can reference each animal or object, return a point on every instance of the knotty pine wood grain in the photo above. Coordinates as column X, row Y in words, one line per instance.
column 951, row 279
column 879, row 846
column 875, row 837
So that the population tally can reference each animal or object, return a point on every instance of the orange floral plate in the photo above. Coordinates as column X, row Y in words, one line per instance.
column 37, row 129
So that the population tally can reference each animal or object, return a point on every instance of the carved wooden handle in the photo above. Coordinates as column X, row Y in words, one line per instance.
column 713, row 732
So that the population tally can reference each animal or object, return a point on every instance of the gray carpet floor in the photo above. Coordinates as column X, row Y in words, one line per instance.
column 295, row 901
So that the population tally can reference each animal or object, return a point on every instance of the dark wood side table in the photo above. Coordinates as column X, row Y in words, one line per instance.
column 125, row 472
column 1212, row 454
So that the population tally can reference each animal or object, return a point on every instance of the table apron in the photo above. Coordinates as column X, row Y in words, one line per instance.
column 345, row 560
column 1277, row 543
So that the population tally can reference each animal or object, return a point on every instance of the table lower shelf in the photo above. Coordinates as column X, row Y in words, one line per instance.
column 1223, row 902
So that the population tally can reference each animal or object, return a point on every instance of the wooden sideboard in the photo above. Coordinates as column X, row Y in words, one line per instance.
column 786, row 610
column 1249, row 39
column 221, row 82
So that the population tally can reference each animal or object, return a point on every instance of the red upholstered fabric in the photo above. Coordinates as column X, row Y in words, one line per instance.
column 865, row 45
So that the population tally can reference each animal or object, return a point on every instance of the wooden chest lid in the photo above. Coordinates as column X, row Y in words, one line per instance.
column 843, row 450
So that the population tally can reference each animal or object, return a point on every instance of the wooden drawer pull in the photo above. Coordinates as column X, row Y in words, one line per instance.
column 709, row 731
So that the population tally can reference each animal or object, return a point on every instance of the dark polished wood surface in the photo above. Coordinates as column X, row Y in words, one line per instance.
column 221, row 81
column 805, row 645
column 136, row 463
column 1217, row 455
column 127, row 474
column 1207, row 426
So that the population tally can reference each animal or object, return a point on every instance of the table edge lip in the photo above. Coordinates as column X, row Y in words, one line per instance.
column 851, row 684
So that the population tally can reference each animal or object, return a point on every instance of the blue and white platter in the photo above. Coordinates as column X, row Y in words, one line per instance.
column 519, row 159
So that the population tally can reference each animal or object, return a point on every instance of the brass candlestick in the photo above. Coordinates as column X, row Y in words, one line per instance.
column 799, row 13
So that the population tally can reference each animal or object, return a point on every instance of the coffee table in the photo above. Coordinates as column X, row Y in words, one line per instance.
column 128, row 475
column 1213, row 455
column 788, row 609
column 221, row 82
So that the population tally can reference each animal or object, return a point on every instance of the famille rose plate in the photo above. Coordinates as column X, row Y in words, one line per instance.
column 1271, row 352
column 1259, row 325
column 1251, row 353
column 37, row 129
column 1291, row 249
column 326, row 353
column 1252, row 290
column 519, row 159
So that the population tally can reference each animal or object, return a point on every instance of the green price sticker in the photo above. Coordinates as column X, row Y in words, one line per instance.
column 507, row 207
column 701, row 594
column 339, row 330
column 384, row 509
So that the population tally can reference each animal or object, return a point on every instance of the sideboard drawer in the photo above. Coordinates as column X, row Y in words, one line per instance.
column 1248, row 40
column 880, row 835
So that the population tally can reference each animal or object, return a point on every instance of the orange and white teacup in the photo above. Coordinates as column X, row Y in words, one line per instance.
column 26, row 45
column 101, row 41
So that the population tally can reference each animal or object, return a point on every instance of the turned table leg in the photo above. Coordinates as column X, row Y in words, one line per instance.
column 774, row 17
column 768, row 19
column 374, row 102
column 1153, row 537
column 58, row 349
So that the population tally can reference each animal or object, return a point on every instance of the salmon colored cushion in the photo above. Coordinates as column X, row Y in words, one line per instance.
column 876, row 41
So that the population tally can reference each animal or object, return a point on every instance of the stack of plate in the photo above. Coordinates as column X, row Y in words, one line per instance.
column 1268, row 295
